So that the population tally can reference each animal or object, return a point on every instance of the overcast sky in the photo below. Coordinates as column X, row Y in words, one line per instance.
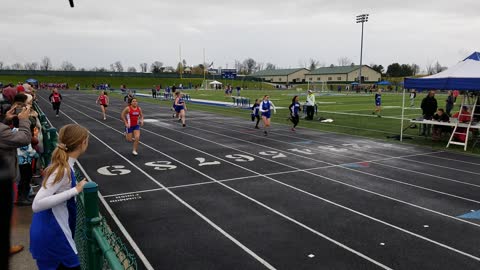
column 97, row 33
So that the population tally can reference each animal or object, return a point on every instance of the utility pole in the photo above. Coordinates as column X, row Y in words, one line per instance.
column 363, row 18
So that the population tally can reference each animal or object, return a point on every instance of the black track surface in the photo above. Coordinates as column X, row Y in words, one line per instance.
column 305, row 200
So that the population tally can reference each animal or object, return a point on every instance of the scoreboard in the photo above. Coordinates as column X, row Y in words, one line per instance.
column 229, row 73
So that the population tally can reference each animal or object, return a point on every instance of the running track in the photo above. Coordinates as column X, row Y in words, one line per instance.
column 217, row 194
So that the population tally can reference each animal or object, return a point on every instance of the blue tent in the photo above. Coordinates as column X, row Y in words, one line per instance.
column 383, row 83
column 463, row 76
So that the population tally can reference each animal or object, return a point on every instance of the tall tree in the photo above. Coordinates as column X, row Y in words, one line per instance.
column 131, row 69
column 118, row 66
column 143, row 67
column 344, row 61
column 180, row 68
column 156, row 67
column 394, row 70
column 46, row 64
column 415, row 69
column 1, row 65
column 67, row 66
column 112, row 67
column 378, row 68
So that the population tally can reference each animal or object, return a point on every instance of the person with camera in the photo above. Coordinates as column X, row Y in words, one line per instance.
column 10, row 140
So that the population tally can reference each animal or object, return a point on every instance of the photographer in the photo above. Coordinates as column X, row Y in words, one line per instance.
column 10, row 140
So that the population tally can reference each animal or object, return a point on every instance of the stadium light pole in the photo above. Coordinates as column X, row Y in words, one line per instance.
column 363, row 18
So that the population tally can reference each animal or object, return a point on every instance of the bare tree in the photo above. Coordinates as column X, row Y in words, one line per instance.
column 344, row 61
column 31, row 66
column 1, row 65
column 131, row 69
column 143, row 67
column 184, row 63
column 118, row 66
column 439, row 68
column 112, row 67
column 429, row 67
column 46, row 64
column 313, row 64
column 17, row 66
column 249, row 65
column 259, row 66
column 67, row 66
column 270, row 66
column 156, row 67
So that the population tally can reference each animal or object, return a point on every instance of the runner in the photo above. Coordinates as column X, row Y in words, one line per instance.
column 378, row 103
column 294, row 109
column 128, row 98
column 103, row 100
column 56, row 99
column 131, row 116
column 180, row 107
column 266, row 109
column 256, row 112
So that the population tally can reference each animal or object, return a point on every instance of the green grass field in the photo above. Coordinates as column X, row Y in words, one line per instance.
column 351, row 114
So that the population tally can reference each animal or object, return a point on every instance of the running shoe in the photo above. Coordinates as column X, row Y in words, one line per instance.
column 134, row 153
column 184, row 125
column 293, row 129
column 257, row 127
column 265, row 133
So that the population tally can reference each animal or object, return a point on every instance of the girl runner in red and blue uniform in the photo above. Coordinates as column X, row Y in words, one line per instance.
column 266, row 109
column 103, row 100
column 132, row 117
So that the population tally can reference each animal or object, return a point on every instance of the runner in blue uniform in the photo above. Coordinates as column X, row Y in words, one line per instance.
column 266, row 107
column 53, row 224
column 294, row 109
column 378, row 103
column 256, row 112
column 180, row 107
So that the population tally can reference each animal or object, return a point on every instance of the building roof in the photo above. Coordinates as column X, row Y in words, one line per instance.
column 277, row 72
column 335, row 70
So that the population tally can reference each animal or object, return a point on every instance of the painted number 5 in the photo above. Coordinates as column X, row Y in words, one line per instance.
column 240, row 157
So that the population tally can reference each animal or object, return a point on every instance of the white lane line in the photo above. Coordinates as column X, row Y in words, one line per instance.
column 318, row 197
column 375, row 161
column 115, row 218
column 234, row 190
column 119, row 224
column 206, row 183
column 406, row 148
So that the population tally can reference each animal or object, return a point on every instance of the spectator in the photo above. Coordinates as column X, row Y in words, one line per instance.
column 10, row 140
column 413, row 95
column 437, row 130
column 53, row 223
column 154, row 92
column 429, row 107
column 9, row 92
column 450, row 101
column 310, row 105
column 238, row 91
column 456, row 93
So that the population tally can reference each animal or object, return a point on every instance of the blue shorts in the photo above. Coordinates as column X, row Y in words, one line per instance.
column 267, row 114
column 131, row 129
column 178, row 108
column 378, row 103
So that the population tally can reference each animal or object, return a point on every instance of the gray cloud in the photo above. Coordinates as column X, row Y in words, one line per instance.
column 98, row 33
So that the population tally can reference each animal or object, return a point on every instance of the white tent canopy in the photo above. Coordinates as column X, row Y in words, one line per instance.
column 215, row 83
